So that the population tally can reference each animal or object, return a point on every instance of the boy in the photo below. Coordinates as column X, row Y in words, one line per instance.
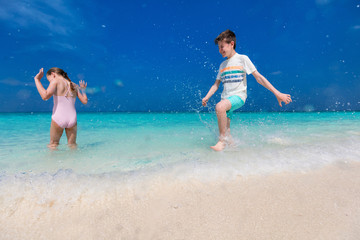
column 232, row 74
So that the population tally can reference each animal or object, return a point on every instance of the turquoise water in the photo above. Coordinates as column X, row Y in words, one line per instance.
column 123, row 143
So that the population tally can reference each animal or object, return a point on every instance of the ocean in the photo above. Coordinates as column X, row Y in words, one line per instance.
column 126, row 143
column 118, row 151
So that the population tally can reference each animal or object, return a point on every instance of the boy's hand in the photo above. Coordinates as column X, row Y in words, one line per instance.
column 40, row 74
column 204, row 101
column 286, row 98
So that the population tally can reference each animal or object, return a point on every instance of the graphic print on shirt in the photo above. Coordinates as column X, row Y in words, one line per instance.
column 235, row 74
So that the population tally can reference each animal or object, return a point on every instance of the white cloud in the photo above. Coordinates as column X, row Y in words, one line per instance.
column 48, row 45
column 23, row 94
column 55, row 16
column 322, row 2
column 15, row 82
column 276, row 73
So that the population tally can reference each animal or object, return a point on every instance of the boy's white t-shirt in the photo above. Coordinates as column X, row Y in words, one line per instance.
column 232, row 74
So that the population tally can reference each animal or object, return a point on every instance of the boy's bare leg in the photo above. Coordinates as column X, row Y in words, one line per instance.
column 223, row 123
column 228, row 136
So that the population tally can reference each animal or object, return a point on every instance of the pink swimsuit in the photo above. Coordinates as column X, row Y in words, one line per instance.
column 64, row 113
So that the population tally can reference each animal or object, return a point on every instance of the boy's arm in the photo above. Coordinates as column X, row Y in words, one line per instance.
column 211, row 92
column 281, row 97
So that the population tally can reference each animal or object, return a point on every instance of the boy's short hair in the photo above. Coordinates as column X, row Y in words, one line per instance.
column 226, row 35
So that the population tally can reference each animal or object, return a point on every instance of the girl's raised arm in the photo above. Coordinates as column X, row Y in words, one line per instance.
column 44, row 93
column 81, row 92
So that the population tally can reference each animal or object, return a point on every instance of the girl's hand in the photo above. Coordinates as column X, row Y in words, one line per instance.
column 286, row 98
column 40, row 74
column 82, row 84
column 81, row 92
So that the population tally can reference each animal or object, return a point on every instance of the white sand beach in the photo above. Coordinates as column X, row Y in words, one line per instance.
column 321, row 204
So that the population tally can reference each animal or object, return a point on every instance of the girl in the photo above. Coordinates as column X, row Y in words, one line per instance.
column 64, row 113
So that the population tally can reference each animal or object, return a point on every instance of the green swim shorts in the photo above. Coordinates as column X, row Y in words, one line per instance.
column 236, row 103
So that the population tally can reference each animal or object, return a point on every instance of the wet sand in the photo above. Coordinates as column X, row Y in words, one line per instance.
column 321, row 204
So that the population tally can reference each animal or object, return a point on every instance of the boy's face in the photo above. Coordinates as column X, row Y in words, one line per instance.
column 226, row 49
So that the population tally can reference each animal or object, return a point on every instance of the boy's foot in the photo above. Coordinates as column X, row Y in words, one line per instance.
column 230, row 142
column 219, row 146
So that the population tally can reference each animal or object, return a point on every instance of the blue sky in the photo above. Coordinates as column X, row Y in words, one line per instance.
column 161, row 56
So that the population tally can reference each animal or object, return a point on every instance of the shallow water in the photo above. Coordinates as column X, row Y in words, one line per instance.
column 130, row 142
